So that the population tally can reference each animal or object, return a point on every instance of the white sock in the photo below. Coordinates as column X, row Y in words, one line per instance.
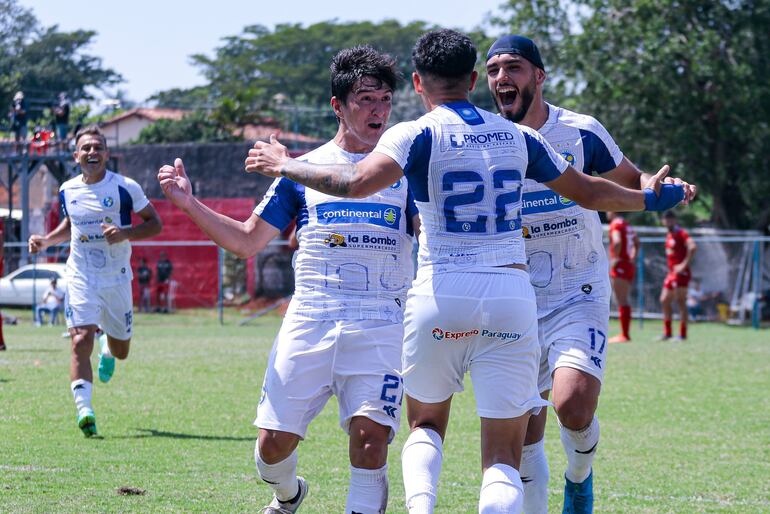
column 81, row 391
column 368, row 492
column 281, row 476
column 534, row 475
column 105, row 348
column 501, row 490
column 580, row 447
column 421, row 462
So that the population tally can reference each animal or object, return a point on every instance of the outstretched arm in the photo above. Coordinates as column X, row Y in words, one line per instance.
column 628, row 175
column 374, row 173
column 598, row 194
column 243, row 238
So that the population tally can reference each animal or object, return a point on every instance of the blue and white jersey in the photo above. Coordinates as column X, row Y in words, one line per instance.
column 567, row 260
column 465, row 168
column 88, row 206
column 355, row 255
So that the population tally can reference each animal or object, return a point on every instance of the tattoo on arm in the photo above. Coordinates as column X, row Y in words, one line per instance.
column 332, row 179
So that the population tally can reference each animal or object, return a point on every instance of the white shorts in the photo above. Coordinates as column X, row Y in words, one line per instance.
column 482, row 321
column 356, row 360
column 574, row 336
column 109, row 307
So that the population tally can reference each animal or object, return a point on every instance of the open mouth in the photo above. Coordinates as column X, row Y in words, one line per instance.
column 507, row 95
column 375, row 126
column 93, row 161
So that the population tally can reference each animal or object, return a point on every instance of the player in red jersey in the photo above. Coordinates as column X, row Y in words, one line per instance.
column 624, row 247
column 680, row 249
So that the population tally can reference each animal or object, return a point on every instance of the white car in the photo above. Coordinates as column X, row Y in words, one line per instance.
column 17, row 287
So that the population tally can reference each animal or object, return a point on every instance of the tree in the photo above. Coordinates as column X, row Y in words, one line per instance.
column 196, row 127
column 44, row 61
column 679, row 81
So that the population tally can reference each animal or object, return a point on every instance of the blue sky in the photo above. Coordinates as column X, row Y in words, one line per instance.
column 148, row 42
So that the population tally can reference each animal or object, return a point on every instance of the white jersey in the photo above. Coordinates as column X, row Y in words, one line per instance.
column 355, row 255
column 88, row 206
column 566, row 256
column 465, row 168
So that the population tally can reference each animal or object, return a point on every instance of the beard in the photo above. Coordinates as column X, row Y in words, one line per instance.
column 527, row 96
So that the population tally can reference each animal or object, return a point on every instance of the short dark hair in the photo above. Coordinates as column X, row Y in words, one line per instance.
column 669, row 214
column 352, row 64
column 90, row 130
column 444, row 53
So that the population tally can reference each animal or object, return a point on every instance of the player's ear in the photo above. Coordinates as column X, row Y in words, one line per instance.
column 417, row 83
column 474, row 78
column 336, row 106
column 540, row 76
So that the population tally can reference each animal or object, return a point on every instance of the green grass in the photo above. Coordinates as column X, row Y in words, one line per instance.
column 685, row 426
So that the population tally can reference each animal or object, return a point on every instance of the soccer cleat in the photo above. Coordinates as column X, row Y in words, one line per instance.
column 87, row 422
column 2, row 346
column 106, row 364
column 663, row 337
column 680, row 339
column 278, row 507
column 579, row 498
column 620, row 338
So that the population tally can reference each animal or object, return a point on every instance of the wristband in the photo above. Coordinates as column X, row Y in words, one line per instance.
column 669, row 196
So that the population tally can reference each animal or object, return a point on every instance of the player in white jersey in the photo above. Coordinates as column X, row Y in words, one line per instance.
column 97, row 205
column 343, row 331
column 568, row 268
column 471, row 307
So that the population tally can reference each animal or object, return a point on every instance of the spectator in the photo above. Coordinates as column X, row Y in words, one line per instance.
column 61, row 113
column 163, row 273
column 18, row 115
column 52, row 303
column 695, row 298
column 144, row 277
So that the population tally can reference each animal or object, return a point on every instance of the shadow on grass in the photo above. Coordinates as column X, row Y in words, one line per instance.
column 151, row 432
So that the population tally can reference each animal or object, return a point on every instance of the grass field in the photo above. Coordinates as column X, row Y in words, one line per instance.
column 685, row 426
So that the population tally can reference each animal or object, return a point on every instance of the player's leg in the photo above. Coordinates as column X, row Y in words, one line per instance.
column 621, row 287
column 680, row 296
column 82, row 314
column 666, row 301
column 296, row 387
column 423, row 453
column 578, row 355
column 370, row 392
column 117, row 323
column 534, row 462
column 2, row 339
column 504, row 368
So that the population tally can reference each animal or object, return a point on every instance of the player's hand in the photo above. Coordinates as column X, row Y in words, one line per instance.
column 36, row 243
column 656, row 180
column 175, row 184
column 267, row 158
column 690, row 190
column 679, row 268
column 113, row 234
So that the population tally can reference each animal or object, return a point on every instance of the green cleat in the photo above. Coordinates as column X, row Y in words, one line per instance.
column 87, row 423
column 106, row 364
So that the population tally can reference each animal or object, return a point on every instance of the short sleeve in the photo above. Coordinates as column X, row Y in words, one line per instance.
column 543, row 163
column 138, row 198
column 601, row 152
column 410, row 144
column 282, row 203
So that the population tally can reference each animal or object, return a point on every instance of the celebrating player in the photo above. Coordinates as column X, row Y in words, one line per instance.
column 97, row 205
column 343, row 331
column 624, row 247
column 471, row 307
column 680, row 249
column 568, row 269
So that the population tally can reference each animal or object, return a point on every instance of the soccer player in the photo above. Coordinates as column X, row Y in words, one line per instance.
column 624, row 247
column 568, row 269
column 680, row 249
column 97, row 205
column 471, row 307
column 343, row 331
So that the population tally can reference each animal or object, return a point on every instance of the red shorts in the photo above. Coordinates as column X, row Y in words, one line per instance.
column 675, row 280
column 623, row 269
column 162, row 288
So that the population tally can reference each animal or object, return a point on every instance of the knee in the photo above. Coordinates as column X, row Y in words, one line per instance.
column 120, row 350
column 274, row 446
column 82, row 342
column 576, row 412
column 368, row 443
